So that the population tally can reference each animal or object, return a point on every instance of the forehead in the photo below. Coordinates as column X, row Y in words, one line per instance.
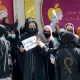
column 69, row 26
column 32, row 23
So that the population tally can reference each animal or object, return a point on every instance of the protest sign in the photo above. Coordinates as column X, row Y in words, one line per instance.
column 29, row 43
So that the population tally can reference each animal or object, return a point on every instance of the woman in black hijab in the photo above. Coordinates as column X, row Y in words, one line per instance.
column 33, row 66
column 68, row 58
column 7, row 24
column 16, row 55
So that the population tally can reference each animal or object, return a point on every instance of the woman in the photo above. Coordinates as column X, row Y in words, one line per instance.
column 68, row 58
column 7, row 24
column 51, row 43
column 5, row 56
column 69, row 27
column 33, row 66
column 13, row 37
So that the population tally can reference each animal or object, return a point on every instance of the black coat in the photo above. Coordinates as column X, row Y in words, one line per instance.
column 66, row 66
column 33, row 66
column 17, row 57
column 50, row 68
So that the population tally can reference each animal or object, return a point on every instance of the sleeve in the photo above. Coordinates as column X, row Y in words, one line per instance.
column 15, row 25
column 20, row 56
column 45, row 51
column 76, row 43
column 51, row 44
column 22, row 30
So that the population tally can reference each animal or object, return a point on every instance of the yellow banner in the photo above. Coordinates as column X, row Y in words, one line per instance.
column 30, row 8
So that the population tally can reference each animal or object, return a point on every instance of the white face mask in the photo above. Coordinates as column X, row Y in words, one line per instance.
column 13, row 36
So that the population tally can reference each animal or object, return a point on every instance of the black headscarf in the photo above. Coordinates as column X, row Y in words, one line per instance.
column 3, row 20
column 2, row 30
column 7, row 26
column 68, row 38
column 27, row 22
column 16, row 33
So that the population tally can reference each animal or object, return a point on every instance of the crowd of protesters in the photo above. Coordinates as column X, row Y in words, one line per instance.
column 56, row 59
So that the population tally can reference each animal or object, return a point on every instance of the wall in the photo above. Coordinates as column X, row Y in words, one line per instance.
column 19, row 10
column 38, row 14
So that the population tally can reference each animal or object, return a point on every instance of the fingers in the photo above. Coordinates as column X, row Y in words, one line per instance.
column 21, row 49
column 52, row 60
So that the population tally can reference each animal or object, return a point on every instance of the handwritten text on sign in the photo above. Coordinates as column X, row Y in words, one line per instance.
column 29, row 43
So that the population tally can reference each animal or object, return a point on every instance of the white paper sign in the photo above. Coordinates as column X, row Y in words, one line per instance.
column 29, row 43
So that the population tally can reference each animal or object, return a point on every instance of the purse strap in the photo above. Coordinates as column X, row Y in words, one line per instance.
column 70, row 54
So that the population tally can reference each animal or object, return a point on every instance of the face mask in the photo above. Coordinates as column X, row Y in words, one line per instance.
column 32, row 30
column 47, row 34
column 13, row 36
column 71, row 31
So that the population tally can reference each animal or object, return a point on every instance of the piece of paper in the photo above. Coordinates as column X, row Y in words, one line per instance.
column 29, row 43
